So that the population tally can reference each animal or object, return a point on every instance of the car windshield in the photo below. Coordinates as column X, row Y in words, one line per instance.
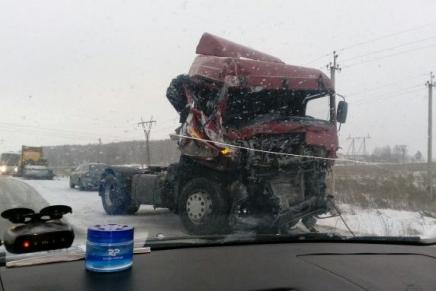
column 194, row 119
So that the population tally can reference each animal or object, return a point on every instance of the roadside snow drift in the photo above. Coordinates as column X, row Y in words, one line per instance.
column 88, row 210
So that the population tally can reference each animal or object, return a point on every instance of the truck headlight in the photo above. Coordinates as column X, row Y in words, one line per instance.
column 16, row 169
column 2, row 169
column 229, row 152
column 226, row 152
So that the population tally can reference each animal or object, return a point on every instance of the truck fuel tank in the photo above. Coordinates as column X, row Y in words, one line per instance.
column 148, row 188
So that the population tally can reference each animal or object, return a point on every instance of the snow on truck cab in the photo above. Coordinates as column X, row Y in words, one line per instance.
column 257, row 138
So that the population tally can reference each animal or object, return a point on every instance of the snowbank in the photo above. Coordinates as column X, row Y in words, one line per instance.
column 383, row 222
column 88, row 210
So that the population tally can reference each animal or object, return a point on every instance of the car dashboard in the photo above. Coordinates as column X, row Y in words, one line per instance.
column 275, row 266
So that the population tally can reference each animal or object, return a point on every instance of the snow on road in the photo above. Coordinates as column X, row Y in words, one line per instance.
column 13, row 193
column 383, row 222
column 88, row 210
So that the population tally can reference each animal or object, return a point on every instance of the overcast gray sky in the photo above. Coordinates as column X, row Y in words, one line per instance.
column 75, row 71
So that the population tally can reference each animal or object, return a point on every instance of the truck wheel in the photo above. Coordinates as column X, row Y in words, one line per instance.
column 72, row 184
column 116, row 198
column 81, row 186
column 202, row 208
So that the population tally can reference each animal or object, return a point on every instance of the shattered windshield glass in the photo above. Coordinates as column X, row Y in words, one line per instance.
column 184, row 123
column 249, row 107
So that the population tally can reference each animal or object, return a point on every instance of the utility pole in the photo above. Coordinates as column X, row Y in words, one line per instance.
column 146, row 126
column 357, row 148
column 430, row 84
column 333, row 68
column 362, row 150
column 99, row 150
column 351, row 151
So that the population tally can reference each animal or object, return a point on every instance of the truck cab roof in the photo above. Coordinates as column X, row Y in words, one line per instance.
column 226, row 62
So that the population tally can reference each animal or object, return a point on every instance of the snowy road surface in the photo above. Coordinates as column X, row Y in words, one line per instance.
column 14, row 193
column 88, row 209
column 148, row 222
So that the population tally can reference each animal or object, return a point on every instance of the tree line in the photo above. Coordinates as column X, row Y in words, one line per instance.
column 163, row 152
column 395, row 154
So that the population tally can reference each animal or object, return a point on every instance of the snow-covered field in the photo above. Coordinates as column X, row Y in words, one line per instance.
column 88, row 210
column 384, row 222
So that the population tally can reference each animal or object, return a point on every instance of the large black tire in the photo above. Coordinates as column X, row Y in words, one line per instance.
column 72, row 184
column 202, row 207
column 81, row 186
column 116, row 197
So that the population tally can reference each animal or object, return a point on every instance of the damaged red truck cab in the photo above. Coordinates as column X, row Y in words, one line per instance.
column 235, row 66
column 252, row 157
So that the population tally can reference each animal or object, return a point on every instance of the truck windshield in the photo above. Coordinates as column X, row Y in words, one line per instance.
column 245, row 107
column 318, row 108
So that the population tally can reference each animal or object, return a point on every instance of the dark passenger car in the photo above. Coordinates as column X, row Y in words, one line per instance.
column 87, row 176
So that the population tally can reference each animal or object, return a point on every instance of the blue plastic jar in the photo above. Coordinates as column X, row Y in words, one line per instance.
column 109, row 248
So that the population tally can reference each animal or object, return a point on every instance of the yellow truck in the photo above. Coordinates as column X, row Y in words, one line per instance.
column 33, row 165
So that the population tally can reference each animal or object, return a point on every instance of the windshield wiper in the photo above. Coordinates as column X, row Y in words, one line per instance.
column 236, row 239
column 404, row 240
column 244, row 239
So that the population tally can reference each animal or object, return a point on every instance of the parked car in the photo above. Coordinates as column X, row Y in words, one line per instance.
column 87, row 176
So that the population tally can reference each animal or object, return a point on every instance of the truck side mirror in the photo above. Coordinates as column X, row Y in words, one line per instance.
column 341, row 115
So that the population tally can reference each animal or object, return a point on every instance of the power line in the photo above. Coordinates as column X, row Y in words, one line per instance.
column 317, row 59
column 51, row 135
column 391, row 93
column 390, row 48
column 385, row 97
column 42, row 128
column 385, row 36
column 388, row 56
column 55, row 133
column 219, row 143
column 384, row 85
